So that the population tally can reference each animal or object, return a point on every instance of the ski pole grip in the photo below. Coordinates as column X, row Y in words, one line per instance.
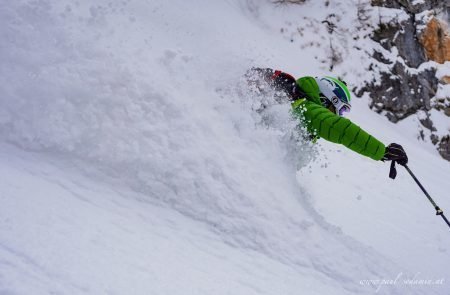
column 392, row 171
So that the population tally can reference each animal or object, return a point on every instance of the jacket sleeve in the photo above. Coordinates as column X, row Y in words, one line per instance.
column 323, row 123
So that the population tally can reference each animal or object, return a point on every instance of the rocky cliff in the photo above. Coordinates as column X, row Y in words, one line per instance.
column 414, row 51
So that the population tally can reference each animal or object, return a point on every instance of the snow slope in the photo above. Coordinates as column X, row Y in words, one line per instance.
column 132, row 162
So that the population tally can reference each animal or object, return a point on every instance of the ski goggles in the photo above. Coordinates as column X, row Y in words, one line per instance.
column 342, row 107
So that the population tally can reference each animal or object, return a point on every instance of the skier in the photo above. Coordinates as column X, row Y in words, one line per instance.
column 320, row 104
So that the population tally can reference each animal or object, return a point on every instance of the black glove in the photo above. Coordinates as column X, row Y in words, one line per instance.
column 395, row 152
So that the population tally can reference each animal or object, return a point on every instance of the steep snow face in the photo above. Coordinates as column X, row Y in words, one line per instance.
column 67, row 233
column 145, row 100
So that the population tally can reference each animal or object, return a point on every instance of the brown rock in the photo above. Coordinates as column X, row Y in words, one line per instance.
column 436, row 41
column 446, row 79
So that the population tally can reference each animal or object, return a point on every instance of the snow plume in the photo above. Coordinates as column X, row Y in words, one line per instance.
column 271, row 109
column 145, row 126
column 148, row 97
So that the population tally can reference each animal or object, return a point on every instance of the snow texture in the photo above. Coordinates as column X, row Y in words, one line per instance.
column 133, row 161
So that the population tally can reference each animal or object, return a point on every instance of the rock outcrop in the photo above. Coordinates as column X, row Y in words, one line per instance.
column 436, row 41
column 402, row 88
column 407, row 82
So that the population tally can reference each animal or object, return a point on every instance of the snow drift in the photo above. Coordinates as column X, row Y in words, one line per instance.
column 130, row 152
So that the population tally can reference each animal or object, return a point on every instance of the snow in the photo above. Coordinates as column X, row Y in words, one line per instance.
column 417, row 2
column 81, row 236
column 443, row 70
column 132, row 162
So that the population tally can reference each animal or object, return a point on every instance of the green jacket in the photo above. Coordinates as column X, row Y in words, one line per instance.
column 323, row 123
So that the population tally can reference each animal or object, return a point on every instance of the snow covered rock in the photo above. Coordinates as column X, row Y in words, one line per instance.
column 410, row 64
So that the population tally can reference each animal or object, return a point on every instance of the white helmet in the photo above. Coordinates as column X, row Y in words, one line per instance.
column 336, row 93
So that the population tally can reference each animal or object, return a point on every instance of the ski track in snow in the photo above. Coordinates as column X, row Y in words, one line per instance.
column 132, row 162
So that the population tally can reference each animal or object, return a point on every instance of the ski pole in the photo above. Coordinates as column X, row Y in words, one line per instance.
column 438, row 210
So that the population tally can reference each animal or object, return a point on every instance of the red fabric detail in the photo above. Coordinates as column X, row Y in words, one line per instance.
column 280, row 73
column 275, row 74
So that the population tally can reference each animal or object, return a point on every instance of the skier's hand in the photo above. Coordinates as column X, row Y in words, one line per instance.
column 395, row 152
